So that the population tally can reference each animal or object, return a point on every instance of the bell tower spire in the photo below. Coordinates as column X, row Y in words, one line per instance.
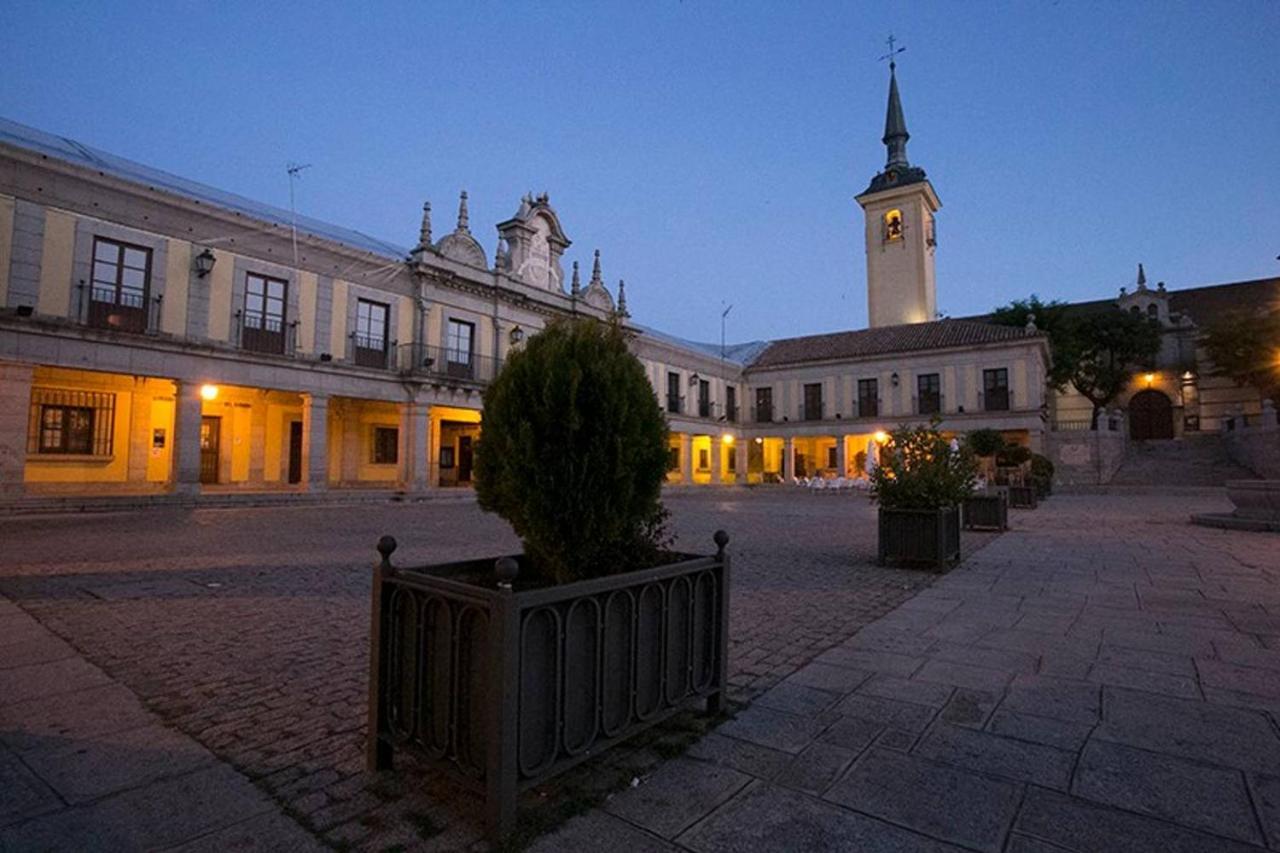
column 901, row 237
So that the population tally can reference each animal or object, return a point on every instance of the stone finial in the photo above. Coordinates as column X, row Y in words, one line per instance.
column 464, row 219
column 424, row 232
column 1031, row 323
column 622, row 299
column 576, row 286
column 526, row 203
column 1142, row 278
column 1160, row 287
column 595, row 270
column 1124, row 291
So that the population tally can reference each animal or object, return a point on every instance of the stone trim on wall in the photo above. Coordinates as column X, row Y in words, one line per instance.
column 25, row 253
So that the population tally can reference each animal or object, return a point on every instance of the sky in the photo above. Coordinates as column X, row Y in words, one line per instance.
column 710, row 151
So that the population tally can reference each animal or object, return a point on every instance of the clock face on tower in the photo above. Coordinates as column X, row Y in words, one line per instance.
column 535, row 268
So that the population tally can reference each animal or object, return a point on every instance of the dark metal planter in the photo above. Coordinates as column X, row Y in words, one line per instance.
column 923, row 537
column 986, row 512
column 1022, row 497
column 503, row 688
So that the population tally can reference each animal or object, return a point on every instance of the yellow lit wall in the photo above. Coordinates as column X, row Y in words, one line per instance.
column 700, row 447
column 306, row 312
column 158, row 458
column 219, row 284
column 55, row 263
column 177, row 278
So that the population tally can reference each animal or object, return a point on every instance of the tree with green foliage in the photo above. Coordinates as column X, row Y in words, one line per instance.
column 573, row 453
column 919, row 470
column 1246, row 348
column 1095, row 352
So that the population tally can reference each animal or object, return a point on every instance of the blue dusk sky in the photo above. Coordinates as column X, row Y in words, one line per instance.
column 711, row 151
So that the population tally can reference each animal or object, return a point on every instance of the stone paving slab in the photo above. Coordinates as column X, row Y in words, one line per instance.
column 767, row 817
column 83, row 766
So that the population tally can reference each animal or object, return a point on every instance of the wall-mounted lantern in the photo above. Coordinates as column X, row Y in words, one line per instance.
column 204, row 263
column 693, row 380
column 894, row 380
column 516, row 336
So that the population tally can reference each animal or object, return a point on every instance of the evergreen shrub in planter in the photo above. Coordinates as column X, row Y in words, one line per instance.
column 503, row 673
column 920, row 485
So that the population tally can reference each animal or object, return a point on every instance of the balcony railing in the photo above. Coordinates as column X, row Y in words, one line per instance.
column 121, row 311
column 811, row 410
column 265, row 334
column 996, row 400
column 762, row 414
column 869, row 407
column 731, row 414
column 446, row 364
column 675, row 404
column 928, row 404
column 370, row 351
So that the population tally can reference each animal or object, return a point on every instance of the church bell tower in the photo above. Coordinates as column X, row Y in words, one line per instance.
column 899, row 208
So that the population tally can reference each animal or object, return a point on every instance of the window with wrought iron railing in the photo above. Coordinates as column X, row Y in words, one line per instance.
column 71, row 422
column 370, row 337
column 928, row 394
column 120, row 286
column 995, row 390
column 868, row 398
column 262, row 323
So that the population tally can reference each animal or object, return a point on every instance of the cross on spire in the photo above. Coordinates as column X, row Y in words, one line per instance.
column 891, row 41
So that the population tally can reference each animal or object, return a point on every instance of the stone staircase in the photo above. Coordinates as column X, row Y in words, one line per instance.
column 1195, row 461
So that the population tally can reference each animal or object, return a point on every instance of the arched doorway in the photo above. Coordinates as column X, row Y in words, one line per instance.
column 1150, row 416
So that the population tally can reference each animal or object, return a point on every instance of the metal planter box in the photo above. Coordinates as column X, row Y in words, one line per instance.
column 924, row 537
column 504, row 688
column 1022, row 497
column 986, row 512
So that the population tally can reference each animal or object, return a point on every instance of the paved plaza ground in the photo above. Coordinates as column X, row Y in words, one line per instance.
column 1105, row 676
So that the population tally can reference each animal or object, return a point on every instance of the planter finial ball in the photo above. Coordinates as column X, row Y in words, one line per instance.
column 506, row 570
column 721, row 539
column 386, row 545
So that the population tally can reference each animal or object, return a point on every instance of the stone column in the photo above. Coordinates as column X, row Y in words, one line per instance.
column 717, row 459
column 415, row 433
column 184, row 468
column 789, row 460
column 842, row 456
column 139, row 433
column 15, row 407
column 258, row 440
column 686, row 458
column 315, row 442
column 740, row 463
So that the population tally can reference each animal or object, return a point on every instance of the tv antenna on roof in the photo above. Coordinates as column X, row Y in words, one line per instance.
column 891, row 41
column 293, row 169
column 723, row 314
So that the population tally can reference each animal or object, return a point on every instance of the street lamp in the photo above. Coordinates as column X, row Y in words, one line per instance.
column 204, row 263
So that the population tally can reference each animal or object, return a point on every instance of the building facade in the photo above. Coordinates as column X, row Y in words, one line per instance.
column 160, row 337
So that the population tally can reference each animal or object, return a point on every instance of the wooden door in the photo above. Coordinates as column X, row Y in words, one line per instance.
column 210, row 429
column 295, row 451
column 464, row 459
column 1150, row 416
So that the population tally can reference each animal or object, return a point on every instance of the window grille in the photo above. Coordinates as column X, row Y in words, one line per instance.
column 65, row 421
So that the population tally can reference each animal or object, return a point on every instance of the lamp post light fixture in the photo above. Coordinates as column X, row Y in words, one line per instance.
column 204, row 263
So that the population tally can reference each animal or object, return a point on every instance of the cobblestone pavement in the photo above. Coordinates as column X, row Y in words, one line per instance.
column 1105, row 677
column 247, row 629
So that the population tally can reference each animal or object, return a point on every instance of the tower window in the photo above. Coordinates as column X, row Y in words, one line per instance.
column 893, row 225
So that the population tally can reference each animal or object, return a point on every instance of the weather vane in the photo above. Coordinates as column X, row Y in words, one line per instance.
column 891, row 41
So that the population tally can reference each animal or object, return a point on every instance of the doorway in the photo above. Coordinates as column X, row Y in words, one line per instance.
column 210, row 429
column 1150, row 416
column 464, row 459
column 295, row 451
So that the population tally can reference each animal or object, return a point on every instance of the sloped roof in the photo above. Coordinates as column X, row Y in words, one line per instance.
column 63, row 148
column 1204, row 304
column 740, row 354
column 912, row 337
